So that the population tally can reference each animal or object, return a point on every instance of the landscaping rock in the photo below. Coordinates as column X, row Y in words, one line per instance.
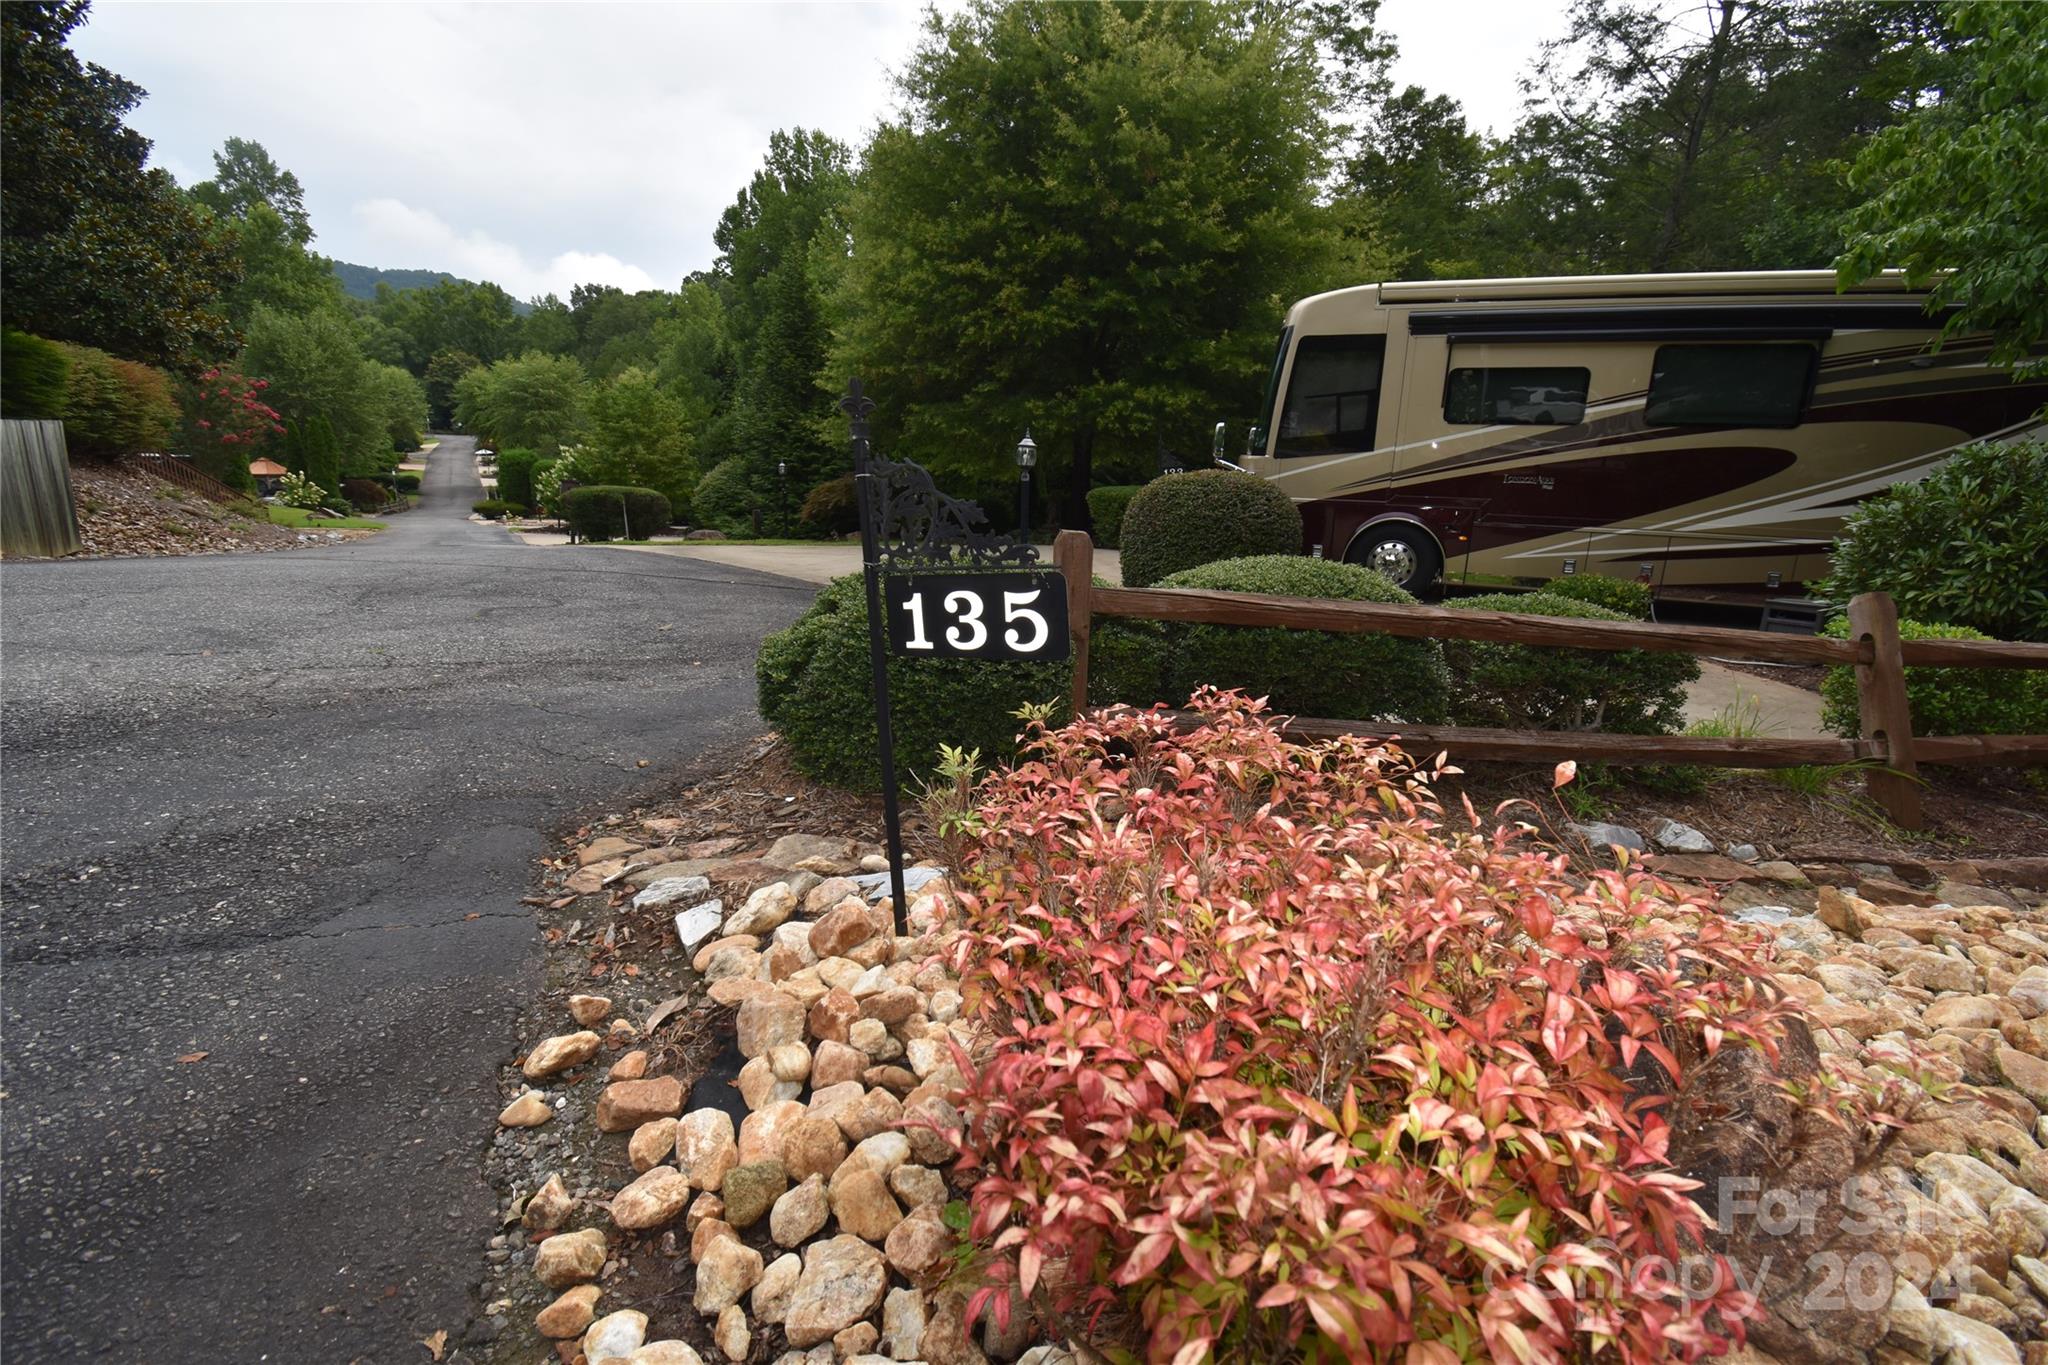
column 630, row 1067
column 1601, row 834
column 842, row 928
column 771, row 1296
column 653, row 1199
column 792, row 849
column 705, row 1147
column 836, row 1064
column 549, row 1207
column 877, row 1111
column 833, row 1014
column 569, row 1258
column 600, row 850
column 1673, row 837
column 918, row 1243
column 651, row 1144
column 829, row 893
column 917, row 1186
column 553, row 1055
column 842, row 1282
column 589, row 1010
column 666, row 1353
column 626, row 1105
column 764, row 911
column 569, row 1315
column 903, row 1323
column 616, row 1335
column 695, row 925
column 706, row 1233
column 800, row 1213
column 861, row 1202
column 732, row 1335
column 759, row 1086
column 751, row 1190
column 728, row 1269
column 663, row 892
column 814, row 1145
column 769, row 1020
column 530, row 1110
column 765, row 1132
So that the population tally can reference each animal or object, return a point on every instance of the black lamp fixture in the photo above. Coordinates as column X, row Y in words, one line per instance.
column 782, row 473
column 1027, row 456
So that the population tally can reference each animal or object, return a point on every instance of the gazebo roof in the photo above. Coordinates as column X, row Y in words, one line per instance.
column 267, row 469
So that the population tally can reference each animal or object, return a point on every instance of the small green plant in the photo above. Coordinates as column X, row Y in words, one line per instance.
column 296, row 490
column 1106, row 507
column 1967, row 545
column 1624, row 595
column 1537, row 687
column 1944, row 701
column 1185, row 520
column 1742, row 718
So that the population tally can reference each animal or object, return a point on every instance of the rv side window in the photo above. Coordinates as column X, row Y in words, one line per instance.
column 1730, row 386
column 1531, row 397
column 1333, row 398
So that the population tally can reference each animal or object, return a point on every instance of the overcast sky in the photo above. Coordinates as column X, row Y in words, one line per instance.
column 542, row 145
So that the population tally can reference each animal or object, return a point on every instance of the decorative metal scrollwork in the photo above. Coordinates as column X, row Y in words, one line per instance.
column 916, row 525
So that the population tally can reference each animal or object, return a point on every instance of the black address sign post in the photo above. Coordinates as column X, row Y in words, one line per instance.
column 939, row 586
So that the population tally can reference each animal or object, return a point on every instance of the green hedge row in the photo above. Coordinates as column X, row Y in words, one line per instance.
column 1106, row 508
column 1945, row 701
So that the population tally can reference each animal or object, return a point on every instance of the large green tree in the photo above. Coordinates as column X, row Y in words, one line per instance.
column 318, row 377
column 244, row 176
column 637, row 437
column 450, row 315
column 1088, row 221
column 95, row 245
column 1426, row 175
column 533, row 401
column 1957, row 194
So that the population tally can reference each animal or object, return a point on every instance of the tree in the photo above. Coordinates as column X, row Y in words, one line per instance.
column 95, row 246
column 533, row 400
column 443, row 372
column 1962, row 188
column 244, row 176
column 637, row 437
column 227, row 423
column 401, row 406
column 1428, row 175
column 452, row 314
column 318, row 378
column 1089, row 221
column 277, row 270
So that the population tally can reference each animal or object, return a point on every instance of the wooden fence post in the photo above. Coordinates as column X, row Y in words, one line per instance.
column 1073, row 554
column 1886, row 719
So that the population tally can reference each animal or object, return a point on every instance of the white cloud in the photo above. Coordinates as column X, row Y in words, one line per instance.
column 407, row 237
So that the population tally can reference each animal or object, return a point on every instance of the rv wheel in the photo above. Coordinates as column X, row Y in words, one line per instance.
column 1405, row 553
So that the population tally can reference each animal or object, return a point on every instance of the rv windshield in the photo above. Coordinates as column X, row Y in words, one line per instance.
column 1255, row 440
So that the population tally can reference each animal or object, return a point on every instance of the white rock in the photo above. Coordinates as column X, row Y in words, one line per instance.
column 1600, row 834
column 1673, row 837
column 927, row 1055
column 873, row 981
column 767, row 909
column 666, row 1353
column 659, row 895
column 778, row 1282
column 732, row 1334
column 796, row 936
column 882, row 1153
column 903, row 1319
column 695, row 926
column 615, row 1334
column 945, row 1006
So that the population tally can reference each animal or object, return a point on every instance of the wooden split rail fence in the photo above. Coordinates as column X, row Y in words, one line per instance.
column 1886, row 743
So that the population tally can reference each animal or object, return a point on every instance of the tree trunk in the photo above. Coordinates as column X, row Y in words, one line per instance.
column 1695, row 133
column 1080, row 476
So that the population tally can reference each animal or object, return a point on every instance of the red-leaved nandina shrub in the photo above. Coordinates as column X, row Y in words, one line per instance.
column 1276, row 1066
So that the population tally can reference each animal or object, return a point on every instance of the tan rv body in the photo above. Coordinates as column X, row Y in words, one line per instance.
column 1651, row 473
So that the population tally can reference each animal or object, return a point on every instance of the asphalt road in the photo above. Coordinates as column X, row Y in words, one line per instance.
column 280, row 809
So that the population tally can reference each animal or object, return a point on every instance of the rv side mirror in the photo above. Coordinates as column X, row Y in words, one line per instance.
column 1216, row 443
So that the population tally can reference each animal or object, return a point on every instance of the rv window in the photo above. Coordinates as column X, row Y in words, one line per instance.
column 1333, row 398
column 1730, row 386
column 1531, row 397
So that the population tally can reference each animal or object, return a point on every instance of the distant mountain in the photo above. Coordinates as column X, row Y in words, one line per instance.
column 361, row 281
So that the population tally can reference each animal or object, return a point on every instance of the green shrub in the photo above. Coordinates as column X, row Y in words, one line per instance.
column 1365, row 676
column 1532, row 687
column 407, row 481
column 1106, row 508
column 114, row 407
column 32, row 376
column 1945, row 701
column 496, row 509
column 815, row 688
column 1624, row 595
column 296, row 490
column 831, row 507
column 724, row 499
column 1965, row 546
column 365, row 495
column 516, row 468
column 606, row 511
column 1182, row 520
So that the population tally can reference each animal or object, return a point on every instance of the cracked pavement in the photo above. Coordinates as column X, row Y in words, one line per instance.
column 280, row 809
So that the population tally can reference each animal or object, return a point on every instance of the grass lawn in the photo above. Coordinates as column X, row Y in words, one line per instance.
column 295, row 516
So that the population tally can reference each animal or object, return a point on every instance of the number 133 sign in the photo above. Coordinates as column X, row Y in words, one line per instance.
column 978, row 615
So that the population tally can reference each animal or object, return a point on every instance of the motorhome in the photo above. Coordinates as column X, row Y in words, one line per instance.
column 1703, row 433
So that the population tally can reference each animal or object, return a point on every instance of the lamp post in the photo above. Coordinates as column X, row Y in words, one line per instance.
column 1027, row 456
column 782, row 473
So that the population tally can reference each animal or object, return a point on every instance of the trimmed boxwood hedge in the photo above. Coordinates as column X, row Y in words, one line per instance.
column 1301, row 672
column 1182, row 520
column 1624, row 595
column 1532, row 687
column 607, row 511
column 1106, row 508
column 495, row 509
column 815, row 687
column 1944, row 701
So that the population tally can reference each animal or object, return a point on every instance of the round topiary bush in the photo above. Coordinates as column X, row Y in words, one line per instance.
column 606, row 511
column 1624, row 595
column 407, row 481
column 365, row 495
column 1300, row 672
column 1944, row 701
column 1966, row 546
column 815, row 688
column 1535, row 687
column 1183, row 520
column 1106, row 508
